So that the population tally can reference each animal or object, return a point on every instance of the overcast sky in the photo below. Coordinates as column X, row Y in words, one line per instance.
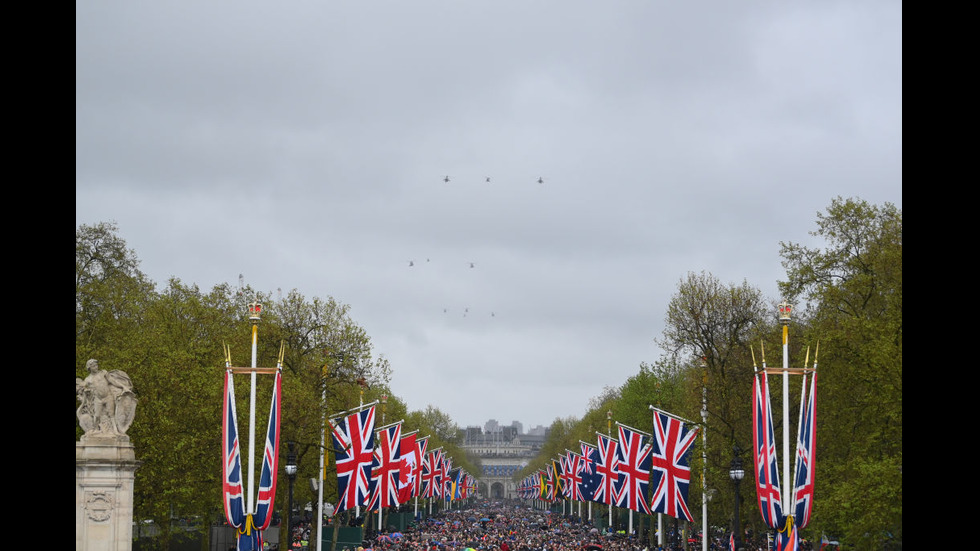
column 305, row 146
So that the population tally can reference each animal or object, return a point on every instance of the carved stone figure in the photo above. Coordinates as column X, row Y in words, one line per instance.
column 108, row 403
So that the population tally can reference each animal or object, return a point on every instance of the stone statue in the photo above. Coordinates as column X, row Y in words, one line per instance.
column 108, row 402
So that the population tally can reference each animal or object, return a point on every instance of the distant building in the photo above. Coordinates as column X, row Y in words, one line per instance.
column 502, row 451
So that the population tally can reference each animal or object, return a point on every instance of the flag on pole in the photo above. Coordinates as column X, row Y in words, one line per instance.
column 590, row 480
column 633, row 461
column 231, row 464
column 574, row 466
column 555, row 474
column 447, row 467
column 806, row 447
column 764, row 455
column 432, row 474
column 270, row 461
column 670, row 470
column 353, row 446
column 606, row 470
column 421, row 450
column 386, row 468
column 409, row 467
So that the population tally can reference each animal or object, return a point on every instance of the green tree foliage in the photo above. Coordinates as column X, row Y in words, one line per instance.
column 111, row 294
column 710, row 327
column 853, row 289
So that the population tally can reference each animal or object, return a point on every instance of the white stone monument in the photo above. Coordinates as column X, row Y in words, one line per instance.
column 105, row 461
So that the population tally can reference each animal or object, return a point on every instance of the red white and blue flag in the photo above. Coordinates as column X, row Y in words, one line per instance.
column 606, row 470
column 353, row 445
column 249, row 524
column 387, row 464
column 446, row 488
column 764, row 455
column 806, row 445
column 410, row 467
column 270, row 461
column 574, row 465
column 231, row 464
column 670, row 469
column 432, row 474
column 590, row 480
column 634, row 462
column 421, row 450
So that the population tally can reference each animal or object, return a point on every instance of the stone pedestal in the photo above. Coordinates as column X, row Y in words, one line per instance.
column 104, row 470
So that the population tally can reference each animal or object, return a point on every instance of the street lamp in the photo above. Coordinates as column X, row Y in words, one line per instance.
column 291, row 473
column 737, row 473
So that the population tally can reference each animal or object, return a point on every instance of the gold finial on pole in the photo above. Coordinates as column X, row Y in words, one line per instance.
column 762, row 345
column 282, row 353
column 806, row 362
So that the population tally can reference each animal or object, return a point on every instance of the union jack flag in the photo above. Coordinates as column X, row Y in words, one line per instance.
column 432, row 474
column 421, row 448
column 447, row 466
column 573, row 469
column 387, row 464
column 353, row 445
column 607, row 471
column 231, row 464
column 806, row 447
column 764, row 455
column 634, row 462
column 270, row 461
column 670, row 466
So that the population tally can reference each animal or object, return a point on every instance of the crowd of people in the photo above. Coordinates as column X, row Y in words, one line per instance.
column 513, row 526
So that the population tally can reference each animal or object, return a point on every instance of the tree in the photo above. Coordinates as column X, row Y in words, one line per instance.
column 853, row 289
column 111, row 293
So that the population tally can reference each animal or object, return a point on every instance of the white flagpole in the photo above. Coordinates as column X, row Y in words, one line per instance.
column 254, row 317
column 323, row 470
column 704, row 455
column 784, row 312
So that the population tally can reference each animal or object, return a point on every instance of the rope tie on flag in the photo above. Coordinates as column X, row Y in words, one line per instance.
column 788, row 528
column 247, row 526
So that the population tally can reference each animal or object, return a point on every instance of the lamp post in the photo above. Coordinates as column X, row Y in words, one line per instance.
column 737, row 473
column 291, row 473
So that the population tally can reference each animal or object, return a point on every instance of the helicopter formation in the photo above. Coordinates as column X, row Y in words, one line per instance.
column 446, row 179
